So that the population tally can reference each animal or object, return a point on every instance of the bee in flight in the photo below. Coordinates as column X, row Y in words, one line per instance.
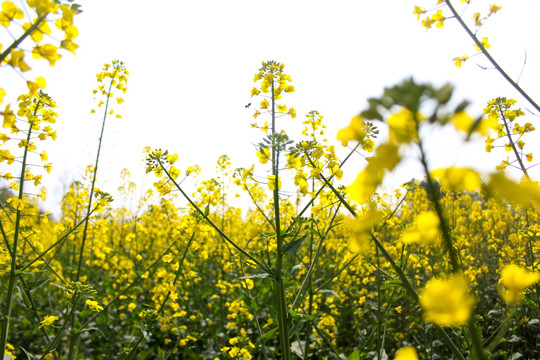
column 248, row 105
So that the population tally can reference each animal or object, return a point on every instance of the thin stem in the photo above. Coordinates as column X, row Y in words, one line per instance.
column 433, row 196
column 17, row 42
column 513, row 144
column 13, row 273
column 490, row 58
column 94, row 177
column 308, row 276
column 281, row 306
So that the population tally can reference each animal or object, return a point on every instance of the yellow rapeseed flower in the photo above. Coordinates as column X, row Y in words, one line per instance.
column 447, row 302
column 425, row 229
column 48, row 320
column 406, row 353
column 514, row 279
column 458, row 179
column 403, row 127
column 93, row 305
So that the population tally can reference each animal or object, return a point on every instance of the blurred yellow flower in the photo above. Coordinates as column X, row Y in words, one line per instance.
column 360, row 230
column 458, row 179
column 425, row 229
column 371, row 177
column 93, row 305
column 514, row 279
column 406, row 353
column 447, row 302
column 403, row 127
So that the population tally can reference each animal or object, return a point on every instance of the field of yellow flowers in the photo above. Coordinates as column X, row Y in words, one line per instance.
column 443, row 267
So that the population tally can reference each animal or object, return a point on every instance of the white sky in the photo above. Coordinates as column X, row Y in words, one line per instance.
column 192, row 66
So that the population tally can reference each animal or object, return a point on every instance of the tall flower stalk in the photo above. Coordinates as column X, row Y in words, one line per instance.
column 116, row 74
column 34, row 110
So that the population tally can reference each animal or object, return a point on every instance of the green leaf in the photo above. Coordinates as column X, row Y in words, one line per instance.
column 355, row 355
column 392, row 284
column 255, row 276
column 29, row 355
column 444, row 94
column 474, row 127
column 292, row 313
column 269, row 334
column 293, row 246
column 461, row 106
column 25, row 298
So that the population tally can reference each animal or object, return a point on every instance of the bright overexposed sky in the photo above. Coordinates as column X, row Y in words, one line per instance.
column 191, row 67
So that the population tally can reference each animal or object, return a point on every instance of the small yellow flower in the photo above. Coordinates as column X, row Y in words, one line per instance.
column 171, row 158
column 93, row 305
column 418, row 11
column 48, row 320
column 460, row 60
column 272, row 182
column 493, row 9
column 484, row 43
column 264, row 155
column 167, row 258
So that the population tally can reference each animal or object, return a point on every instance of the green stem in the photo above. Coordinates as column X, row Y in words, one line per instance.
column 94, row 177
column 281, row 306
column 13, row 273
column 490, row 58
column 433, row 196
column 17, row 42
column 513, row 144
column 307, row 278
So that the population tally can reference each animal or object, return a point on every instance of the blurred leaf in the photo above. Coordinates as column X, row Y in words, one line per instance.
column 355, row 355
column 293, row 246
column 269, row 334
column 461, row 106
column 258, row 276
column 444, row 94
column 392, row 284
column 474, row 126
column 28, row 354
